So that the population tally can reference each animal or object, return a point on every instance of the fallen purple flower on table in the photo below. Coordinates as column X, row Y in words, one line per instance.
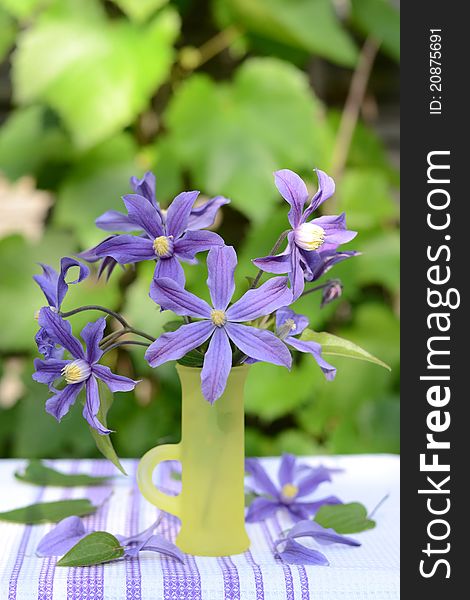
column 221, row 324
column 82, row 371
column 62, row 537
column 295, row 483
column 302, row 258
column 167, row 236
column 288, row 326
column 290, row 551
column 54, row 287
column 71, row 530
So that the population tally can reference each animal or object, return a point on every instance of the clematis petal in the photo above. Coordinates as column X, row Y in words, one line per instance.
column 277, row 264
column 170, row 268
column 193, row 242
column 260, row 344
column 204, row 215
column 319, row 533
column 329, row 259
column 66, row 264
column 300, row 321
column 296, row 275
column 175, row 344
column 92, row 406
column 326, row 188
column 114, row 221
column 59, row 404
column 46, row 345
column 125, row 249
column 261, row 509
column 170, row 295
column 314, row 349
column 313, row 478
column 145, row 187
column 156, row 543
column 60, row 331
column 311, row 262
column 261, row 301
column 144, row 215
column 221, row 264
column 47, row 371
column 286, row 469
column 294, row 553
column 116, row 383
column 294, row 191
column 261, row 479
column 47, row 281
column 217, row 366
column 178, row 213
column 92, row 334
column 62, row 537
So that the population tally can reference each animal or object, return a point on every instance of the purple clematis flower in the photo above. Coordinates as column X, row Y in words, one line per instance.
column 168, row 236
column 55, row 287
column 290, row 551
column 68, row 532
column 288, row 326
column 302, row 258
column 221, row 324
column 82, row 371
column 295, row 483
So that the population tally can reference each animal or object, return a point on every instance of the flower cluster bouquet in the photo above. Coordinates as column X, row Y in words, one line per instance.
column 214, row 336
column 214, row 340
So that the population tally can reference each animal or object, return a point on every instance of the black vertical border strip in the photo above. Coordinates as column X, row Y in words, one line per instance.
column 422, row 133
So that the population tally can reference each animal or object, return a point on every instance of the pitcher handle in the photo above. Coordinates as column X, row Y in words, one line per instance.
column 147, row 465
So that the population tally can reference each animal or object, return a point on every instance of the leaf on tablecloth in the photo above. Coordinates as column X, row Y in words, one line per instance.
column 45, row 512
column 96, row 548
column 344, row 518
column 38, row 473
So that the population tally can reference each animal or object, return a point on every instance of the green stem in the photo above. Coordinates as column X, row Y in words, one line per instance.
column 125, row 343
column 320, row 287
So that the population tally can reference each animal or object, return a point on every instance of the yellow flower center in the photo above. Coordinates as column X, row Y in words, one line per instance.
column 289, row 491
column 161, row 245
column 76, row 371
column 218, row 317
column 309, row 236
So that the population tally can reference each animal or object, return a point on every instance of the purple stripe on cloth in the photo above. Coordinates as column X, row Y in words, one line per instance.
column 231, row 579
column 287, row 571
column 15, row 573
column 181, row 582
column 46, row 576
column 302, row 573
column 257, row 573
column 133, row 574
column 87, row 583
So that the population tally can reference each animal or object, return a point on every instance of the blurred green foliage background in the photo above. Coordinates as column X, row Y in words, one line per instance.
column 213, row 95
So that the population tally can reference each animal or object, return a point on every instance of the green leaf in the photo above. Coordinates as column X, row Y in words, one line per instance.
column 37, row 473
column 232, row 136
column 7, row 33
column 172, row 325
column 381, row 20
column 21, row 9
column 100, row 73
column 336, row 346
column 344, row 518
column 310, row 25
column 29, row 139
column 94, row 549
column 140, row 10
column 103, row 442
column 192, row 359
column 46, row 512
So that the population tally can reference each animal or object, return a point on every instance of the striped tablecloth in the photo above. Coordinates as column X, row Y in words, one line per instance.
column 365, row 573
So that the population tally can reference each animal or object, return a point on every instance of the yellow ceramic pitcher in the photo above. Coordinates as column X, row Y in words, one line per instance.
column 212, row 501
